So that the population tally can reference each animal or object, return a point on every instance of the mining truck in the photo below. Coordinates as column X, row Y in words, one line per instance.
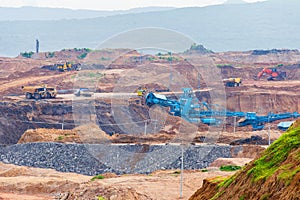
column 232, row 82
column 39, row 92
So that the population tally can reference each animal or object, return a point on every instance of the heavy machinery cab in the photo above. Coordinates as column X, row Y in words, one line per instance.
column 141, row 91
column 273, row 74
column 51, row 92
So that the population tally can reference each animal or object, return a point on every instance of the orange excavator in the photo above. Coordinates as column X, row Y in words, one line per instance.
column 273, row 74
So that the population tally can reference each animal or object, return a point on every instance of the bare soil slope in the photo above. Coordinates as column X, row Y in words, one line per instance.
column 275, row 175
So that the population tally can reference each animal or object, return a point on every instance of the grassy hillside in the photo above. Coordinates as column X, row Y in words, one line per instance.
column 275, row 175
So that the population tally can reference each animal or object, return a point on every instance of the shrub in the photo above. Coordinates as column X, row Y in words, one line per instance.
column 27, row 54
column 103, row 58
column 279, row 65
column 170, row 59
column 100, row 198
column 50, row 55
column 82, row 56
column 150, row 59
column 83, row 49
column 229, row 168
column 224, row 65
column 200, row 48
column 100, row 176
column 265, row 196
column 60, row 137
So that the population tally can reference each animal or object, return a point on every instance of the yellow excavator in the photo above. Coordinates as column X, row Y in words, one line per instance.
column 64, row 67
column 141, row 91
column 140, row 99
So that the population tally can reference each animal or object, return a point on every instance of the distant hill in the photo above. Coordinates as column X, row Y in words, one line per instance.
column 235, row 2
column 265, row 25
column 42, row 13
column 275, row 175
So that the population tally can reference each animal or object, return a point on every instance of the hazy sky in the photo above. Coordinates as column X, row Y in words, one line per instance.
column 109, row 4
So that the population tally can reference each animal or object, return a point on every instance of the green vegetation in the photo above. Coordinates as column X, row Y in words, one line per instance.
column 168, row 56
column 275, row 155
column 176, row 173
column 92, row 75
column 223, row 65
column 99, row 176
column 27, row 54
column 50, row 55
column 265, row 197
column 204, row 170
column 271, row 162
column 90, row 78
column 151, row 58
column 279, row 65
column 73, row 76
column 229, row 168
column 100, row 198
column 79, row 50
column 218, row 179
column 226, row 182
column 217, row 195
column 83, row 49
column 172, row 58
column 96, row 75
column 223, row 183
column 103, row 58
column 60, row 137
column 82, row 56
column 288, row 173
column 200, row 48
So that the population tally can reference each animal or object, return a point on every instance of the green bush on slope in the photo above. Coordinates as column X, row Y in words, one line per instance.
column 276, row 154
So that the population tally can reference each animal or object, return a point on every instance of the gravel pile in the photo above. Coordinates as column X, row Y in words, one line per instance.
column 95, row 159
